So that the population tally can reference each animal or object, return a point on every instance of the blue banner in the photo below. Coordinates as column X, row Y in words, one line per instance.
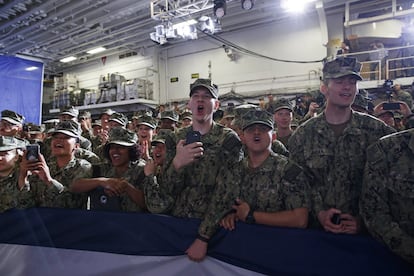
column 21, row 87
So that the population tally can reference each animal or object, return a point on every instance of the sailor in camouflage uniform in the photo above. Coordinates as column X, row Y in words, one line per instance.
column 117, row 185
column 387, row 200
column 12, row 195
column 264, row 188
column 189, row 179
column 332, row 148
column 51, row 181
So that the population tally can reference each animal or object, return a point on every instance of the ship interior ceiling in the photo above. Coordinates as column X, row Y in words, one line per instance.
column 52, row 30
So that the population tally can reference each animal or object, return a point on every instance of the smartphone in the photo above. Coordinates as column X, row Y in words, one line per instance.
column 192, row 137
column 391, row 106
column 32, row 152
column 336, row 219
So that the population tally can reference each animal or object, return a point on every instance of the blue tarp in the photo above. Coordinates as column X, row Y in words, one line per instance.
column 267, row 250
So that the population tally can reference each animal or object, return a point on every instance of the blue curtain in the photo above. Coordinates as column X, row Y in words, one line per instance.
column 21, row 87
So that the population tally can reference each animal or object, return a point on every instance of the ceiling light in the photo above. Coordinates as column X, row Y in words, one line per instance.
column 247, row 4
column 68, row 59
column 96, row 50
column 31, row 68
column 219, row 8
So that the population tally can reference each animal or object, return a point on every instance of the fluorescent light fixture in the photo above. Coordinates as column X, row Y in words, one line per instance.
column 96, row 50
column 31, row 68
column 297, row 6
column 68, row 59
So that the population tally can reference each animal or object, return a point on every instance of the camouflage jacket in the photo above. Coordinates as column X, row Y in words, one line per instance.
column 134, row 175
column 277, row 185
column 335, row 165
column 50, row 196
column 187, row 193
column 387, row 200
column 10, row 194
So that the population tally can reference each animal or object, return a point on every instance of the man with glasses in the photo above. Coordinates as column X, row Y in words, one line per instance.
column 331, row 147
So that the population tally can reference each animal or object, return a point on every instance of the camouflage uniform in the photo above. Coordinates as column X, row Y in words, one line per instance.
column 187, row 193
column 52, row 196
column 134, row 175
column 387, row 200
column 10, row 194
column 335, row 165
column 277, row 185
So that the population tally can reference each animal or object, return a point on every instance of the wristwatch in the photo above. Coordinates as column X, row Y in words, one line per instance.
column 250, row 218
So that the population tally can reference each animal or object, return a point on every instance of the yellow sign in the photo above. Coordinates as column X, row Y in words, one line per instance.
column 195, row 76
column 175, row 79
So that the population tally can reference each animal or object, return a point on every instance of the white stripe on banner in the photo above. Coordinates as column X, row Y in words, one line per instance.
column 22, row 260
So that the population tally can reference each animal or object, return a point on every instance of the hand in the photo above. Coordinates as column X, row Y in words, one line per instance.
column 242, row 209
column 145, row 150
column 39, row 168
column 313, row 108
column 229, row 222
column 325, row 218
column 149, row 167
column 350, row 224
column 187, row 154
column 197, row 250
column 114, row 186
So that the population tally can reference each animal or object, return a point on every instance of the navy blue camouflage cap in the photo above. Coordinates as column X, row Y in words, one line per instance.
column 279, row 104
column 171, row 114
column 122, row 136
column 342, row 66
column 119, row 118
column 12, row 117
column 206, row 83
column 69, row 128
column 147, row 121
column 71, row 111
column 253, row 117
column 8, row 143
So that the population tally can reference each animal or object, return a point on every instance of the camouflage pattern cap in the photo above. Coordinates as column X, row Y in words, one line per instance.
column 69, row 128
column 172, row 115
column 361, row 101
column 240, row 110
column 147, row 120
column 71, row 111
column 160, row 137
column 85, row 115
column 279, row 104
column 206, row 83
column 229, row 113
column 122, row 136
column 257, row 117
column 119, row 118
column 342, row 66
column 187, row 115
column 8, row 143
column 107, row 111
column 12, row 117
column 33, row 128
column 97, row 123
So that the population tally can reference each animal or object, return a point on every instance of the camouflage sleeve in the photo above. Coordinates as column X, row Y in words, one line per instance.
column 375, row 206
column 226, row 191
column 279, row 148
column 295, row 187
column 157, row 199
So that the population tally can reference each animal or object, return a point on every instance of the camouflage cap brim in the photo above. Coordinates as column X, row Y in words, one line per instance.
column 146, row 124
column 157, row 141
column 342, row 74
column 258, row 123
column 66, row 132
column 209, row 88
column 121, row 143
column 12, row 121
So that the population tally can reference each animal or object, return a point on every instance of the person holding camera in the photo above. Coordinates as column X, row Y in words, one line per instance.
column 192, row 164
column 387, row 200
column 12, row 193
column 331, row 147
column 50, row 181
